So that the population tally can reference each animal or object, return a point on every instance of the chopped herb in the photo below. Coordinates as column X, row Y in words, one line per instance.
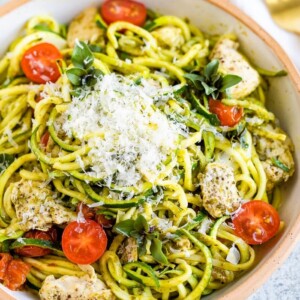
column 280, row 165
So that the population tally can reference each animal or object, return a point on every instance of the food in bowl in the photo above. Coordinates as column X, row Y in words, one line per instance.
column 138, row 157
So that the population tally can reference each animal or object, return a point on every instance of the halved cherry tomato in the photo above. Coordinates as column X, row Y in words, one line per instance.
column 103, row 221
column 39, row 63
column 16, row 273
column 84, row 242
column 256, row 222
column 124, row 10
column 45, row 139
column 88, row 213
column 35, row 251
column 228, row 115
column 5, row 259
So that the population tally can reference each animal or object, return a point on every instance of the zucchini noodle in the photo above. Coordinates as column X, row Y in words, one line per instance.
column 187, row 246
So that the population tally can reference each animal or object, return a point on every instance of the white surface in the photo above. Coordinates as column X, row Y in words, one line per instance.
column 285, row 282
column 206, row 17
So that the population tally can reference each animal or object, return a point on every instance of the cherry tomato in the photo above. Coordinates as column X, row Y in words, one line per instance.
column 84, row 242
column 16, row 273
column 88, row 213
column 104, row 221
column 124, row 10
column 228, row 115
column 256, row 222
column 35, row 251
column 45, row 139
column 5, row 259
column 39, row 63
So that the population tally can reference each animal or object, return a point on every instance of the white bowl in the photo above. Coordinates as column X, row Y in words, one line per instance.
column 213, row 16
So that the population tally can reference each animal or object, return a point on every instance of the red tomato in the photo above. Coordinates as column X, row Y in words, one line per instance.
column 228, row 115
column 16, row 274
column 124, row 10
column 45, row 139
column 84, row 242
column 88, row 213
column 256, row 222
column 35, row 251
column 102, row 220
column 39, row 63
column 5, row 259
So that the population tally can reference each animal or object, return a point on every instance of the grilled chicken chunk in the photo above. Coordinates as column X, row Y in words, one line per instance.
column 84, row 28
column 232, row 62
column 219, row 193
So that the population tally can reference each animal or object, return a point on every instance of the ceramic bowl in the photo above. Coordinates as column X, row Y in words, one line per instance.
column 215, row 17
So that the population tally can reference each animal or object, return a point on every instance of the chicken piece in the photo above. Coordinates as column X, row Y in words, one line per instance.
column 129, row 251
column 84, row 28
column 36, row 207
column 232, row 62
column 169, row 36
column 87, row 287
column 219, row 193
column 272, row 150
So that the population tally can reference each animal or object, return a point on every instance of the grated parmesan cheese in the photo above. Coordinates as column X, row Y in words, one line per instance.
column 128, row 135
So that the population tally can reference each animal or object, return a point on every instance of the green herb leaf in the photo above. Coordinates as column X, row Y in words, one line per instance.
column 208, row 89
column 82, row 57
column 74, row 75
column 229, row 81
column 280, row 165
column 124, row 227
column 95, row 48
column 5, row 161
column 91, row 78
column 141, row 225
column 143, row 248
column 157, row 253
column 211, row 69
column 195, row 80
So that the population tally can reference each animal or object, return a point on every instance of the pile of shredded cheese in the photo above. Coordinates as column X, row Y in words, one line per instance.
column 129, row 136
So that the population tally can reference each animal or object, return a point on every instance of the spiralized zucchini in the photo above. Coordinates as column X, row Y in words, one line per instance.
column 185, row 251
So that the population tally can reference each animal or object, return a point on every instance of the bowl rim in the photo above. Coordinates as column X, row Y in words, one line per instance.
column 292, row 236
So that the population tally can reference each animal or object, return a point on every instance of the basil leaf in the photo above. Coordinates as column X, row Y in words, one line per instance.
column 141, row 225
column 82, row 57
column 280, row 165
column 157, row 253
column 5, row 161
column 211, row 69
column 229, row 81
column 143, row 248
column 95, row 48
column 124, row 227
column 208, row 89
column 74, row 75
column 195, row 79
